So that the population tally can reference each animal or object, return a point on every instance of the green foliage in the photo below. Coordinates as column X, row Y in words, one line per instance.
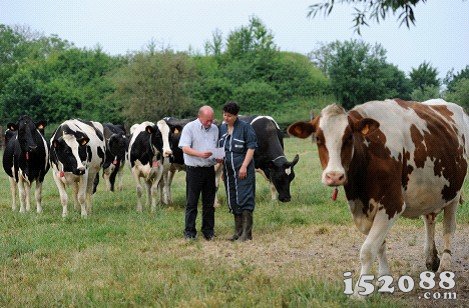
column 154, row 85
column 424, row 76
column 371, row 10
column 256, row 95
column 425, row 93
column 66, row 84
column 452, row 78
column 459, row 93
column 359, row 72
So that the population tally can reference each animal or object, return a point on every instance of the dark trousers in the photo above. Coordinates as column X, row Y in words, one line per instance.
column 200, row 180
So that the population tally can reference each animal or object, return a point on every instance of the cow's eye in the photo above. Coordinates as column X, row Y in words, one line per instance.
column 318, row 140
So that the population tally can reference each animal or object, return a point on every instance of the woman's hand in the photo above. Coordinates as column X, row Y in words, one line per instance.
column 243, row 172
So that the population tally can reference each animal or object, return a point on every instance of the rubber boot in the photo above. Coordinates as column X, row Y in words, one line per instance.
column 247, row 226
column 238, row 219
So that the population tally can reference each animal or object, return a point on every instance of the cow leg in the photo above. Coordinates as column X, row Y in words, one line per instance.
column 90, row 190
column 167, row 186
column 147, row 193
column 273, row 191
column 383, row 268
column 13, row 193
column 374, row 243
column 162, row 188
column 138, row 189
column 120, row 174
column 27, row 195
column 38, row 196
column 82, row 191
column 449, row 226
column 22, row 194
column 76, row 204
column 432, row 260
column 62, row 192
column 107, row 181
column 153, row 189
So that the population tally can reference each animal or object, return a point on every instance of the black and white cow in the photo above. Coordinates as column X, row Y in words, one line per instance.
column 269, row 157
column 77, row 154
column 116, row 146
column 173, row 160
column 26, row 160
column 145, row 159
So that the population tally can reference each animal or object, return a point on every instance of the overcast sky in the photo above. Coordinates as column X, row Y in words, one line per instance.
column 441, row 34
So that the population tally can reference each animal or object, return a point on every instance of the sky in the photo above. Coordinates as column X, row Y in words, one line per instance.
column 441, row 34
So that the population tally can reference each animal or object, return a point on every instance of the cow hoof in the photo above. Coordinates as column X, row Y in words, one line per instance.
column 22, row 210
column 433, row 266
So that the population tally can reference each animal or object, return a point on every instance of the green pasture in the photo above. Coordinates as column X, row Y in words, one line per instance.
column 118, row 257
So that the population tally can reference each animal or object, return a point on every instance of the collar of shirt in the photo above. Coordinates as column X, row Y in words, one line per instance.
column 205, row 129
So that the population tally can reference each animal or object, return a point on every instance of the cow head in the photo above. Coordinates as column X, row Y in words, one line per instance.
column 26, row 129
column 165, row 134
column 156, row 139
column 71, row 151
column 280, row 172
column 117, row 144
column 336, row 133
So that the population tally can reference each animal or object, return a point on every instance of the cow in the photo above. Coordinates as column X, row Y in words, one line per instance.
column 26, row 160
column 116, row 145
column 173, row 159
column 77, row 154
column 394, row 158
column 145, row 156
column 269, row 157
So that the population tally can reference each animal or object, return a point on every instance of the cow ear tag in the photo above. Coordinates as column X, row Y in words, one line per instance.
column 84, row 142
column 40, row 126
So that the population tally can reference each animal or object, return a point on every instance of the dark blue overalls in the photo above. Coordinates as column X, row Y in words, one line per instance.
column 240, row 193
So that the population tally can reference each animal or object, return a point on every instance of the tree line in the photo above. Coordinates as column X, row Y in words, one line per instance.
column 49, row 78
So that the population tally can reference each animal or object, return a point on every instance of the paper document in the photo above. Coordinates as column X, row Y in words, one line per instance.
column 218, row 153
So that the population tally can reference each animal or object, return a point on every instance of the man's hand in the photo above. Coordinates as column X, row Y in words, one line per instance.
column 206, row 154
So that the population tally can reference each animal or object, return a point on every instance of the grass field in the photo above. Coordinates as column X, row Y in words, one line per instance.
column 118, row 257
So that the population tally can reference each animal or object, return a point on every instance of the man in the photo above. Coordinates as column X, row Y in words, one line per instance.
column 198, row 139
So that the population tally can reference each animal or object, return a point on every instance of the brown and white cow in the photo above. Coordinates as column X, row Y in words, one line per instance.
column 394, row 158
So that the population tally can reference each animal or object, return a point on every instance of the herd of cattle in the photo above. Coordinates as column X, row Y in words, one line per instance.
column 393, row 158
column 78, row 150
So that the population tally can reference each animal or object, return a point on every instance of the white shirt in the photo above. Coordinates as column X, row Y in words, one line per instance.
column 197, row 137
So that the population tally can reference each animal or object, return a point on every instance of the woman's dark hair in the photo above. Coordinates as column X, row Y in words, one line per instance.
column 231, row 107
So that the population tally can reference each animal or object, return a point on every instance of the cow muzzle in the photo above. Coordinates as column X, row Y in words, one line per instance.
column 284, row 198
column 334, row 178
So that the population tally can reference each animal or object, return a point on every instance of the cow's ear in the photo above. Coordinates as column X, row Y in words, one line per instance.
column 83, row 140
column 41, row 125
column 55, row 143
column 12, row 126
column 149, row 129
column 302, row 129
column 365, row 126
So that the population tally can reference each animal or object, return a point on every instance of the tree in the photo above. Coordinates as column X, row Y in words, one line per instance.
column 372, row 10
column 452, row 79
column 424, row 76
column 460, row 93
column 358, row 72
column 66, row 84
column 155, row 85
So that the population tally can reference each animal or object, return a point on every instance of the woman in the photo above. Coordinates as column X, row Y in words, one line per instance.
column 239, row 141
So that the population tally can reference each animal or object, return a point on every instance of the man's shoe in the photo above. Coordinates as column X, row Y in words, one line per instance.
column 189, row 237
column 209, row 237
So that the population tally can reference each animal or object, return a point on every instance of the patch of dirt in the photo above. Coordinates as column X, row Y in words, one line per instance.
column 325, row 252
